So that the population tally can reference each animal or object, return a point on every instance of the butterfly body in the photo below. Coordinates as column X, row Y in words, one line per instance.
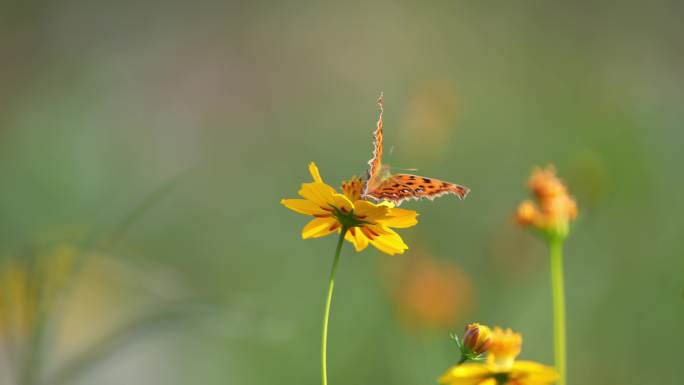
column 381, row 184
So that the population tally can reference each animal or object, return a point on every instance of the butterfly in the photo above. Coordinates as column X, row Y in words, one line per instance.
column 381, row 184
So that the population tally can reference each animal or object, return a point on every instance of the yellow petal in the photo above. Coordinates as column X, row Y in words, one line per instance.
column 466, row 374
column 319, row 227
column 387, row 248
column 303, row 206
column 388, row 241
column 369, row 212
column 342, row 203
column 533, row 373
column 356, row 237
column 319, row 193
column 400, row 218
column 313, row 170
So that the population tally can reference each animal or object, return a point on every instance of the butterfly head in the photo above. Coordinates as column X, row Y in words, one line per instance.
column 384, row 172
column 373, row 181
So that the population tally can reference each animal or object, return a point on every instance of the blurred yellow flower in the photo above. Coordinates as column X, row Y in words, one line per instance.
column 501, row 368
column 28, row 284
column 505, row 347
column 363, row 221
column 556, row 207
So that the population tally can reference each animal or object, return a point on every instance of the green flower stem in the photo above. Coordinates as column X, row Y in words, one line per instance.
column 328, row 302
column 558, row 293
column 32, row 366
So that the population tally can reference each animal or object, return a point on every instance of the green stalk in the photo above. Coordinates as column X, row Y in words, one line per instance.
column 33, row 356
column 558, row 293
column 328, row 302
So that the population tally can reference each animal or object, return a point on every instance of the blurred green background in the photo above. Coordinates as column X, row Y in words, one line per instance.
column 152, row 142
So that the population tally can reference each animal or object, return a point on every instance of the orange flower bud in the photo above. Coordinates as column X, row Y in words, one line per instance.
column 544, row 184
column 476, row 339
column 556, row 208
column 352, row 188
column 527, row 213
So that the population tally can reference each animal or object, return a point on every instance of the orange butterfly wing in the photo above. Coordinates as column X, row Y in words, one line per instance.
column 400, row 187
column 375, row 164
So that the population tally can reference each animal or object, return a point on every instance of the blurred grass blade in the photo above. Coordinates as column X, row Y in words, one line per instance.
column 112, row 343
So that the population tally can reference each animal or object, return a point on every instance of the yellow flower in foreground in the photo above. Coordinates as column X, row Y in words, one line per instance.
column 501, row 368
column 363, row 221
column 556, row 207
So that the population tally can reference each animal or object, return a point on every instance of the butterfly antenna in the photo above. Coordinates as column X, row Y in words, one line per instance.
column 389, row 155
column 406, row 169
column 381, row 101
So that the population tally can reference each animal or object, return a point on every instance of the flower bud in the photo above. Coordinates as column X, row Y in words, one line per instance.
column 476, row 339
column 352, row 188
column 555, row 208
column 527, row 213
column 544, row 183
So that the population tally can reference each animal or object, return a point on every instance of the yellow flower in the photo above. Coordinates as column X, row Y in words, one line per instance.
column 364, row 222
column 501, row 368
column 556, row 207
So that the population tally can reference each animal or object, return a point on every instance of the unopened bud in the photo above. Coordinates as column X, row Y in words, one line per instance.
column 476, row 339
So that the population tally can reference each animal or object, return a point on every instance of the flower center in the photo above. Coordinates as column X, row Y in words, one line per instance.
column 503, row 363
column 501, row 378
column 347, row 218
